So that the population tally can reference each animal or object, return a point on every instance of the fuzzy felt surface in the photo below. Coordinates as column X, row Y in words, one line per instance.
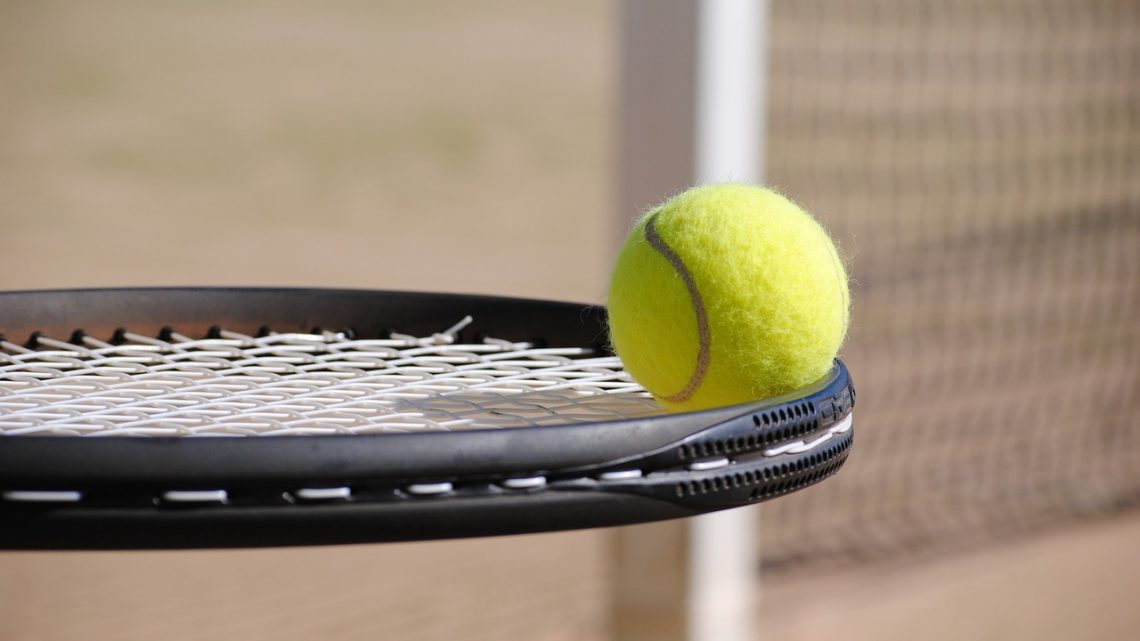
column 727, row 294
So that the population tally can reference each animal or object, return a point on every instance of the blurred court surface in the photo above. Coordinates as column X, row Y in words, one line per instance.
column 470, row 147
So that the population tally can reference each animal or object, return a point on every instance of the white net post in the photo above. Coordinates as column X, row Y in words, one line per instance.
column 693, row 88
column 725, row 560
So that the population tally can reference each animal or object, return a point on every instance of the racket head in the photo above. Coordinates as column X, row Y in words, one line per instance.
column 211, row 491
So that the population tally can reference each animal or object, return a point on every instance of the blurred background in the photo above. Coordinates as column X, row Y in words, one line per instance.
column 978, row 161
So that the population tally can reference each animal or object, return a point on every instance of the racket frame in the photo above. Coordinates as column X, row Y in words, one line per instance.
column 60, row 492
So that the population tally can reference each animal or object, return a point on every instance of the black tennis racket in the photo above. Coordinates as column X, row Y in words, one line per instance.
column 179, row 418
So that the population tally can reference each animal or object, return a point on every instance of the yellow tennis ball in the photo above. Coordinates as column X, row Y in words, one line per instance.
column 727, row 294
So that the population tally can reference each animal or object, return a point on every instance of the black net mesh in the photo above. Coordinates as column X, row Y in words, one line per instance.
column 979, row 163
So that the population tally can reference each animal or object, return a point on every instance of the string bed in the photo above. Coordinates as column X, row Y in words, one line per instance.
column 233, row 384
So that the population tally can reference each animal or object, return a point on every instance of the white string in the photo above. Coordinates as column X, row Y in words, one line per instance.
column 239, row 385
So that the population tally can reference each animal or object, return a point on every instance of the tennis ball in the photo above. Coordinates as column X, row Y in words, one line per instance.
column 727, row 294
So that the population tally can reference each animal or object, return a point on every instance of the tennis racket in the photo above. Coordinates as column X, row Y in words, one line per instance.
column 232, row 417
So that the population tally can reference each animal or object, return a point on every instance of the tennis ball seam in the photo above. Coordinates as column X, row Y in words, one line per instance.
column 653, row 237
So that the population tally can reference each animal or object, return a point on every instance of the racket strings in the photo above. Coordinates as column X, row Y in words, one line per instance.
column 325, row 382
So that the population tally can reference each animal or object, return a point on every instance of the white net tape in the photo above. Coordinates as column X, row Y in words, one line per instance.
column 328, row 383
